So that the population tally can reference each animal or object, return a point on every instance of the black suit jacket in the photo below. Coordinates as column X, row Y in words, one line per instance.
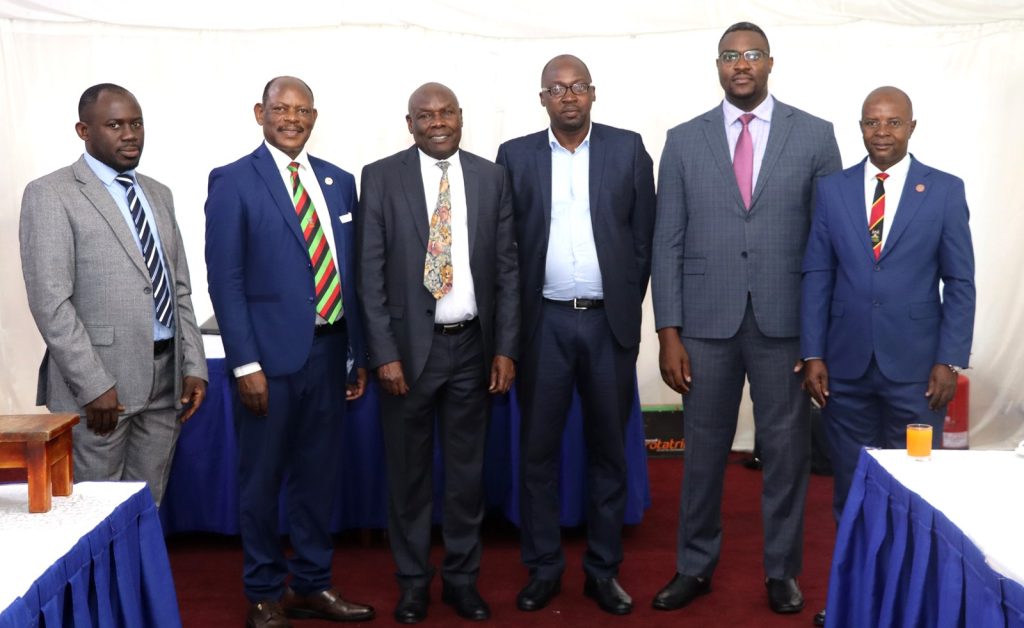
column 392, row 244
column 622, row 206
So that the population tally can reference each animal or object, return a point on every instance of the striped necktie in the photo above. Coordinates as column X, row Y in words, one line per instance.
column 157, row 274
column 325, row 275
column 877, row 220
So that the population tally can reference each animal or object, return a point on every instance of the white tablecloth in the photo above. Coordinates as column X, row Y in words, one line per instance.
column 981, row 492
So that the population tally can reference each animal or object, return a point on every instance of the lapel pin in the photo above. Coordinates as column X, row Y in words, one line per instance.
column 330, row 181
column 919, row 187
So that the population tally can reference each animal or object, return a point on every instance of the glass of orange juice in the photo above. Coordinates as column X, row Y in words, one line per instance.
column 919, row 441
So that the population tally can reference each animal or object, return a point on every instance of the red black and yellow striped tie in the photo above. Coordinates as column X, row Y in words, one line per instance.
column 877, row 219
column 325, row 275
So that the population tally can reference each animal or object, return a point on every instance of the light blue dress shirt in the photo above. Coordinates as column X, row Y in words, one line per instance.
column 107, row 175
column 571, row 270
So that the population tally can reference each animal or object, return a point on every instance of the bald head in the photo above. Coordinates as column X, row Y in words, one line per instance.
column 569, row 61
column 435, row 120
column 887, row 122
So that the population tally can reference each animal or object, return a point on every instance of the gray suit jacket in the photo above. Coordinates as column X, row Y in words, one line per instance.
column 90, row 292
column 710, row 252
column 391, row 245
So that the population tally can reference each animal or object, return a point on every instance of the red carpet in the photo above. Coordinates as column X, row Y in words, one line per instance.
column 207, row 569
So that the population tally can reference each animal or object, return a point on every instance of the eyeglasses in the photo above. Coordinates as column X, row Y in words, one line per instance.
column 892, row 125
column 557, row 91
column 729, row 57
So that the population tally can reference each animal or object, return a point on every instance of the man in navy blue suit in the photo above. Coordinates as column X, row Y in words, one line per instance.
column 280, row 258
column 882, row 339
column 584, row 203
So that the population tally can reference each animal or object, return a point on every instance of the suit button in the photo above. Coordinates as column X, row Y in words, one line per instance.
column 878, row 268
column 743, row 255
column 311, row 299
column 147, row 290
column 747, row 219
column 876, row 303
column 430, row 312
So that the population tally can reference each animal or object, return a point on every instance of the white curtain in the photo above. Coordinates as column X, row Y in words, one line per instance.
column 197, row 68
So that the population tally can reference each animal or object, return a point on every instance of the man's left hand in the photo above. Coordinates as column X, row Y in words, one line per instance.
column 503, row 371
column 941, row 386
column 193, row 392
column 356, row 389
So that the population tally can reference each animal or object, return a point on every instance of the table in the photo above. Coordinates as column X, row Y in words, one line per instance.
column 934, row 543
column 40, row 444
column 96, row 559
column 202, row 493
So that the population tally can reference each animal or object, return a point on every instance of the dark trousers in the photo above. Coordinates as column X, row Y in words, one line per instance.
column 872, row 411
column 574, row 349
column 298, row 439
column 782, row 421
column 453, row 391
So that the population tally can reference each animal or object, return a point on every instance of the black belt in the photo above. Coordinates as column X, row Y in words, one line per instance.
column 579, row 304
column 450, row 329
column 159, row 346
column 327, row 330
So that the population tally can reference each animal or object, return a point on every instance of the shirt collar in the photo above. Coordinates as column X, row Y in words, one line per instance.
column 282, row 160
column 103, row 172
column 900, row 169
column 428, row 161
column 553, row 141
column 763, row 111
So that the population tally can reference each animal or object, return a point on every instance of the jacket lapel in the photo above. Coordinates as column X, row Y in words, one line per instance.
column 471, row 181
column 778, row 133
column 854, row 208
column 910, row 203
column 596, row 170
column 718, row 146
column 94, row 190
column 412, row 187
column 267, row 169
column 543, row 165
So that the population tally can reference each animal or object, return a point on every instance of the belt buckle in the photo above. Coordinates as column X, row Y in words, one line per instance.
column 578, row 307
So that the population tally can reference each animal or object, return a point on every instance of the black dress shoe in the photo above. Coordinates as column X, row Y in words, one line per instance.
column 608, row 594
column 537, row 594
column 466, row 601
column 412, row 605
column 819, row 618
column 680, row 591
column 784, row 595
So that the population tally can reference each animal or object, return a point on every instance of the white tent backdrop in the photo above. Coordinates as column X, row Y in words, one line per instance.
column 198, row 67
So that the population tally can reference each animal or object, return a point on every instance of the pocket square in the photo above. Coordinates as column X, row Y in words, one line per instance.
column 345, row 217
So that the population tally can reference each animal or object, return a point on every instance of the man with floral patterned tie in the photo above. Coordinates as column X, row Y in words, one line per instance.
column 438, row 283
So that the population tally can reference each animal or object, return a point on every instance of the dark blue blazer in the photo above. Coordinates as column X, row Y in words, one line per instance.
column 259, row 273
column 854, row 307
column 622, row 206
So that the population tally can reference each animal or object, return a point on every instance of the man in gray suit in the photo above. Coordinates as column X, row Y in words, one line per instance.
column 438, row 282
column 109, row 289
column 734, row 209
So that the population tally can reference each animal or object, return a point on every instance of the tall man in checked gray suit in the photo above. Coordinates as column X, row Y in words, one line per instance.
column 109, row 289
column 439, row 287
column 734, row 209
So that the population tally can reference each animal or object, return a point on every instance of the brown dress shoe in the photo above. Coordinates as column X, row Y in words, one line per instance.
column 326, row 604
column 267, row 614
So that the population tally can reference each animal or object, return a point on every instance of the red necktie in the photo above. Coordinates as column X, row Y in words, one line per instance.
column 877, row 215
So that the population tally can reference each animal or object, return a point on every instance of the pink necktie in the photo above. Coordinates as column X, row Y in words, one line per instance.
column 743, row 160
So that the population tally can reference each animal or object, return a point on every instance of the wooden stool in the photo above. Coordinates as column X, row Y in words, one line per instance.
column 40, row 444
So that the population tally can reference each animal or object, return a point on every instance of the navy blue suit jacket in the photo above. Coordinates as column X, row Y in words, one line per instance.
column 854, row 307
column 622, row 207
column 259, row 272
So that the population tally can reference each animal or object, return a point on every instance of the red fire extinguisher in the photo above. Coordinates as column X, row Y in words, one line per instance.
column 957, row 423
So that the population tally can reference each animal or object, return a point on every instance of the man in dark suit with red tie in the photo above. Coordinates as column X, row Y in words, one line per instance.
column 280, row 257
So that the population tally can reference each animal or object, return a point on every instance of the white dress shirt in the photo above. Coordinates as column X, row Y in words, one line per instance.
column 571, row 269
column 460, row 303
column 893, row 191
column 759, row 128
